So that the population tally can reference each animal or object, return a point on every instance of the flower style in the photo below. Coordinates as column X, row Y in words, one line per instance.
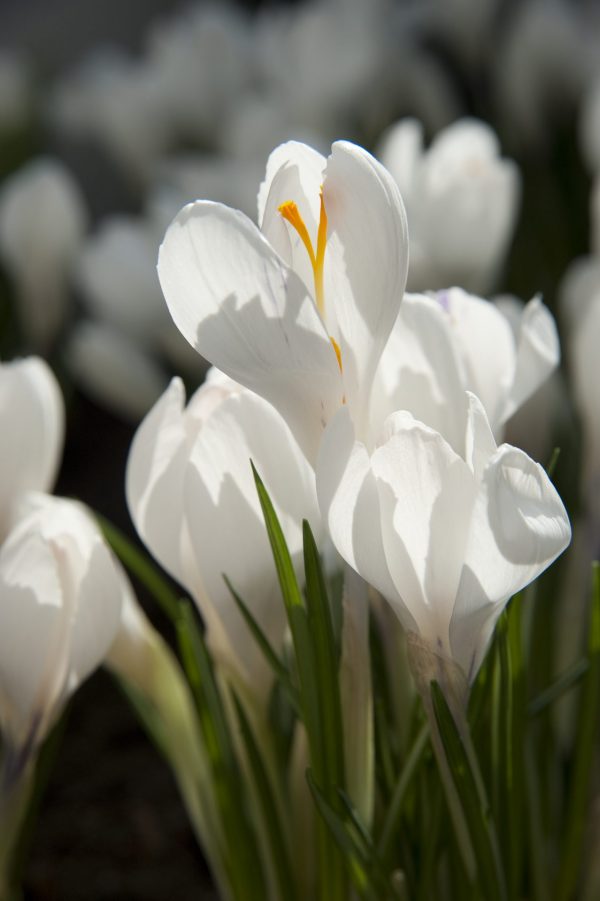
column 451, row 341
column 60, row 600
column 32, row 416
column 447, row 537
column 192, row 497
column 461, row 199
column 299, row 311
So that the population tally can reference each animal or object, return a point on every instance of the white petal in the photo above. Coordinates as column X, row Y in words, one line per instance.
column 366, row 262
column 32, row 622
column 349, row 503
column 486, row 344
column 538, row 354
column 519, row 526
column 480, row 444
column 426, row 493
column 32, row 416
column 421, row 371
column 154, row 478
column 227, row 530
column 303, row 167
column 240, row 306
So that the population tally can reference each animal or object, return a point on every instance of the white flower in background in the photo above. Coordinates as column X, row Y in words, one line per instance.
column 119, row 103
column 192, row 497
column 15, row 91
column 180, row 179
column 113, row 369
column 42, row 221
column 446, row 537
column 461, row 201
column 580, row 300
column 32, row 417
column 60, row 604
column 299, row 312
column 451, row 341
column 321, row 88
column 543, row 61
column 202, row 61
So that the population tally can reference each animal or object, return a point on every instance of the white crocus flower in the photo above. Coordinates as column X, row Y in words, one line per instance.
column 32, row 417
column 113, row 369
column 447, row 537
column 300, row 311
column 193, row 500
column 451, row 341
column 42, row 220
column 60, row 607
column 461, row 201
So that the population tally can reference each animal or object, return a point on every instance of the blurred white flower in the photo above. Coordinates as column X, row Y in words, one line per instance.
column 461, row 201
column 181, row 179
column 322, row 59
column 580, row 300
column 451, row 341
column 42, row 221
column 32, row 417
column 116, row 273
column 543, row 62
column 202, row 61
column 192, row 497
column 113, row 369
column 446, row 537
column 120, row 104
column 300, row 312
column 60, row 603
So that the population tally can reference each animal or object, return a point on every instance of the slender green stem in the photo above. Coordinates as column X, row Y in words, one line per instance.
column 16, row 791
column 394, row 812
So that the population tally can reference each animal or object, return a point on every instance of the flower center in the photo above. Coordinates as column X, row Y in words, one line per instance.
column 290, row 212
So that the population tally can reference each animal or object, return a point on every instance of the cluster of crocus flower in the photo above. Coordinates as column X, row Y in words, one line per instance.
column 373, row 418
column 396, row 403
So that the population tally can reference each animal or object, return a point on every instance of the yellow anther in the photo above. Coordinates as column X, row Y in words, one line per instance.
column 338, row 352
column 291, row 213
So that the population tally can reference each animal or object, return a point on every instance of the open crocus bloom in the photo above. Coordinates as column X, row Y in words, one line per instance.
column 300, row 310
column 60, row 608
column 32, row 422
column 192, row 497
column 447, row 537
column 451, row 341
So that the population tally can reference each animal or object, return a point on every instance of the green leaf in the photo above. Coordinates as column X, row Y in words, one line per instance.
column 585, row 747
column 567, row 680
column 276, row 834
column 141, row 567
column 278, row 667
column 241, row 856
column 364, row 868
column 327, row 663
column 292, row 596
column 395, row 808
column 474, row 805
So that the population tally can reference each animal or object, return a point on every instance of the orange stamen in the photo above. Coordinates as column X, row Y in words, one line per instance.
column 290, row 211
column 338, row 352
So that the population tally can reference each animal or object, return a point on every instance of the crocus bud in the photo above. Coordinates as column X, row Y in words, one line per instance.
column 60, row 608
column 461, row 200
column 32, row 417
column 42, row 219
